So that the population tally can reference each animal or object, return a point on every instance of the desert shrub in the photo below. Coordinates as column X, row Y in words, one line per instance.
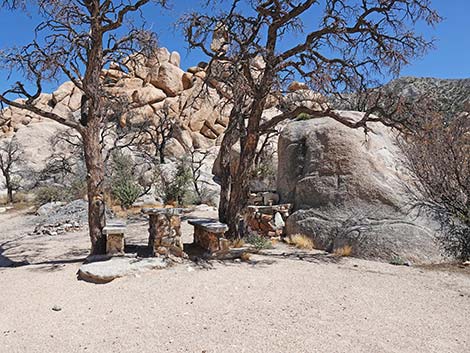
column 259, row 242
column 127, row 192
column 398, row 261
column 245, row 257
column 303, row 117
column 237, row 243
column 175, row 187
column 52, row 193
column 124, row 186
column 438, row 157
column 78, row 187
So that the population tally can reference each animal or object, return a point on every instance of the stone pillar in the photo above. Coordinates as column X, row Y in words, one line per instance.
column 165, row 235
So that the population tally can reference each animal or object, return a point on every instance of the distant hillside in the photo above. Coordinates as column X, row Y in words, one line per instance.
column 450, row 95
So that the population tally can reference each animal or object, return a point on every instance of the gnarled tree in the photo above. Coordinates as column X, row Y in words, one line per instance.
column 10, row 158
column 438, row 155
column 258, row 48
column 77, row 40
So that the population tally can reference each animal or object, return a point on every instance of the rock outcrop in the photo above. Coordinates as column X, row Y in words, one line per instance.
column 351, row 189
column 105, row 270
column 149, row 84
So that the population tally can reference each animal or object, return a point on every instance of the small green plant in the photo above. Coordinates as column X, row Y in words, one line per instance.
column 127, row 192
column 303, row 117
column 259, row 242
column 176, row 188
column 124, row 186
column 398, row 261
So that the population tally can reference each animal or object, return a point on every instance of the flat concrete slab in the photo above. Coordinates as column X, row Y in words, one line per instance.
column 117, row 267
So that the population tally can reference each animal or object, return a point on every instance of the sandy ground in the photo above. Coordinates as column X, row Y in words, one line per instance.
column 276, row 304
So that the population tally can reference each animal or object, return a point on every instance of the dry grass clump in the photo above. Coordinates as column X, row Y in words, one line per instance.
column 237, row 243
column 344, row 251
column 301, row 241
column 245, row 257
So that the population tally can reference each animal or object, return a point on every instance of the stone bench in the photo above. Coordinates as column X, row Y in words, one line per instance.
column 209, row 234
column 115, row 238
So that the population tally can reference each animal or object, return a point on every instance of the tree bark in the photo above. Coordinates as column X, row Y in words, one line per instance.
column 92, row 119
column 95, row 189
column 226, row 166
column 235, row 179
column 9, row 188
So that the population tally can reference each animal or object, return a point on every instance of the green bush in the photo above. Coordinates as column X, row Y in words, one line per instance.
column 259, row 242
column 126, row 191
column 176, row 188
column 303, row 117
column 124, row 186
column 46, row 194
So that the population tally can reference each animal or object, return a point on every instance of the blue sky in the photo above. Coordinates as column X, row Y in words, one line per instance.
column 450, row 59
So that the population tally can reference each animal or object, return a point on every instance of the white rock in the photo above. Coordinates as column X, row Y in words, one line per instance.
column 116, row 267
column 63, row 91
column 278, row 222
column 75, row 101
column 338, row 178
column 168, row 78
column 173, row 148
column 148, row 95
column 48, row 208
column 175, row 59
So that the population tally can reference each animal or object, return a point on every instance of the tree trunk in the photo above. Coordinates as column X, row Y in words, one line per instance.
column 226, row 165
column 161, row 153
column 240, row 185
column 235, row 178
column 9, row 189
column 95, row 187
column 92, row 119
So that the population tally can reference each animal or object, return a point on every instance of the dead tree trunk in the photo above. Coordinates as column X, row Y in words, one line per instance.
column 235, row 178
column 240, row 186
column 78, row 39
column 95, row 190
column 9, row 187
column 92, row 121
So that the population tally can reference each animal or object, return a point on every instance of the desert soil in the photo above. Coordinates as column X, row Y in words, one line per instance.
column 301, row 303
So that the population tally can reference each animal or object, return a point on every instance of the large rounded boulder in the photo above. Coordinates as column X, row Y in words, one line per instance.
column 351, row 190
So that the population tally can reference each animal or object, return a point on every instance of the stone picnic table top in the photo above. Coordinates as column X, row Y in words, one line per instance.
column 210, row 225
column 165, row 211
column 114, row 227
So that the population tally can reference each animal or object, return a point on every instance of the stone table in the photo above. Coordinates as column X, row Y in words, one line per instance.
column 165, row 231
column 209, row 234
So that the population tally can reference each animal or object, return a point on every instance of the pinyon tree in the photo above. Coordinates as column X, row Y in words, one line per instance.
column 258, row 48
column 77, row 39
